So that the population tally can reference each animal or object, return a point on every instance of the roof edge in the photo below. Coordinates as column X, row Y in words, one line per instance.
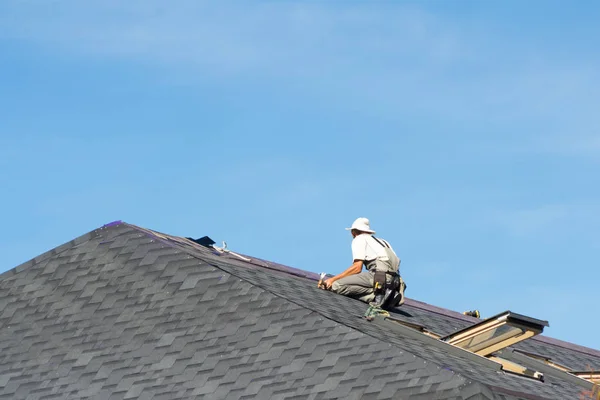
column 50, row 253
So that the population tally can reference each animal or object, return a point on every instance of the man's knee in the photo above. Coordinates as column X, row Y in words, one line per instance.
column 343, row 287
column 336, row 286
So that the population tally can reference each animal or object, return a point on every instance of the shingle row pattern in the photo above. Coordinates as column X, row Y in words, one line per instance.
column 124, row 245
column 348, row 312
column 120, row 315
column 445, row 324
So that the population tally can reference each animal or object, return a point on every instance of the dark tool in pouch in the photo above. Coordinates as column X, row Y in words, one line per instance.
column 379, row 287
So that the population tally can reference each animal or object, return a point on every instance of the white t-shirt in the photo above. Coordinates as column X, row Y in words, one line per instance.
column 365, row 248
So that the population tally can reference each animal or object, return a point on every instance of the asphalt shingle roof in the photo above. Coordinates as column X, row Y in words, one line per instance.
column 124, row 312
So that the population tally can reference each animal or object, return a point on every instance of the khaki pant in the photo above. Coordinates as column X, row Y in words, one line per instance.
column 358, row 286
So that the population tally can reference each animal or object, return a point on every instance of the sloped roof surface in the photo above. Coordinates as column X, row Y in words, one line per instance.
column 567, row 354
column 124, row 312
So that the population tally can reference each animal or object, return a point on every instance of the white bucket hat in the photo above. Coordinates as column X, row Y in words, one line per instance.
column 361, row 224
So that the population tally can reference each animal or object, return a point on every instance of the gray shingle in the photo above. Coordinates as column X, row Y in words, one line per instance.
column 120, row 313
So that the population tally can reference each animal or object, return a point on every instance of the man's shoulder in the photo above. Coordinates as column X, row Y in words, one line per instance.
column 359, row 242
column 360, row 238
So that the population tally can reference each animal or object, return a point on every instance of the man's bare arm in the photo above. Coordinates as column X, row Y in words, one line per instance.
column 354, row 269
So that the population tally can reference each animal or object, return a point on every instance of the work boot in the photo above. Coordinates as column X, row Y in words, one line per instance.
column 390, row 293
column 388, row 299
column 398, row 298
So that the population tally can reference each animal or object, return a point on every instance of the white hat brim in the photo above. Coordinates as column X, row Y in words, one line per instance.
column 362, row 230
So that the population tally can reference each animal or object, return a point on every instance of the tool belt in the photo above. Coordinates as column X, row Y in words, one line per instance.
column 386, row 293
column 380, row 280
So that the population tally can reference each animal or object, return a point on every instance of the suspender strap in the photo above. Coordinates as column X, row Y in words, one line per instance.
column 388, row 263
column 381, row 242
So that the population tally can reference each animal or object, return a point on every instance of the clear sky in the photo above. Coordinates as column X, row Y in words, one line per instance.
column 468, row 132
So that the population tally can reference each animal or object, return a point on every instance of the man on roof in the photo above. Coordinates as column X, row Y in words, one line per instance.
column 381, row 285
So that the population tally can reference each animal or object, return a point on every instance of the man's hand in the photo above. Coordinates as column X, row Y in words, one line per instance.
column 327, row 284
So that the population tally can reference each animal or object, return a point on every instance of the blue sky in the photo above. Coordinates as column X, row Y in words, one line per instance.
column 468, row 132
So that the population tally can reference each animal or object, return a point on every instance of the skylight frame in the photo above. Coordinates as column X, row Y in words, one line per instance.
column 417, row 331
column 515, row 368
column 539, row 363
column 498, row 355
column 523, row 327
column 592, row 376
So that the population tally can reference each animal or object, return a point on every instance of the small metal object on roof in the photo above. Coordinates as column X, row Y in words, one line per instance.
column 225, row 250
column 473, row 313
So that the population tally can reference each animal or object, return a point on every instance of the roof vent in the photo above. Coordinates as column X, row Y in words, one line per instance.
column 208, row 242
column 203, row 241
